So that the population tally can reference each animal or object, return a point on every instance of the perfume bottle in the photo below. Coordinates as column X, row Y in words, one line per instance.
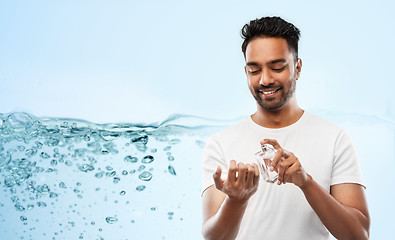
column 264, row 159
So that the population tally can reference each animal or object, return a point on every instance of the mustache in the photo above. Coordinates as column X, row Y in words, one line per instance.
column 270, row 86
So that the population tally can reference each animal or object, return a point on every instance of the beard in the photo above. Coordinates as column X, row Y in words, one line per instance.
column 275, row 105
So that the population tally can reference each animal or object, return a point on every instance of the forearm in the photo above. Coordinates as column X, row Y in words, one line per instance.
column 225, row 223
column 342, row 221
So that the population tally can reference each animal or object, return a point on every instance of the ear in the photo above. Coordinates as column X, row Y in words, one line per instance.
column 298, row 68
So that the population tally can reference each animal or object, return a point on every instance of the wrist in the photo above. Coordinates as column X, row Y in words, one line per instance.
column 307, row 183
column 237, row 202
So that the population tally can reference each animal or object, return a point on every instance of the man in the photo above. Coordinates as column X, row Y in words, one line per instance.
column 319, row 187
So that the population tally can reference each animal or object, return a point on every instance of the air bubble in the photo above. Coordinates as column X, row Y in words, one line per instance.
column 174, row 141
column 41, row 204
column 111, row 220
column 167, row 148
column 111, row 174
column 172, row 171
column 116, row 180
column 99, row 174
column 21, row 148
column 85, row 167
column 30, row 152
column 147, row 159
column 145, row 176
column 19, row 207
column 130, row 159
column 53, row 195
column 141, row 168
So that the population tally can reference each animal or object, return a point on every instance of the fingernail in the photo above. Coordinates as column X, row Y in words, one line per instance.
column 278, row 182
column 271, row 168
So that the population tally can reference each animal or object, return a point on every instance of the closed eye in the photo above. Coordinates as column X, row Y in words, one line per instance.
column 278, row 69
column 254, row 72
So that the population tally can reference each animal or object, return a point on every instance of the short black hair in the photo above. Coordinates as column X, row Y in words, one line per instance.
column 271, row 27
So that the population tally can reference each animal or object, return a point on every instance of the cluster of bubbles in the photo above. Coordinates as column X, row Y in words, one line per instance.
column 47, row 161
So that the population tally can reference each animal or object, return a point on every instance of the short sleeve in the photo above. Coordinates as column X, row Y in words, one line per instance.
column 345, row 163
column 212, row 157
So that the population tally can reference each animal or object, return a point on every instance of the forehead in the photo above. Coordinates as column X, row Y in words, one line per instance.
column 264, row 50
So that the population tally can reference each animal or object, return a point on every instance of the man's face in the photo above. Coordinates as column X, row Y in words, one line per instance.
column 271, row 72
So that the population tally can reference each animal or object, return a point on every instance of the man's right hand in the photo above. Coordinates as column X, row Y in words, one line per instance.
column 241, row 183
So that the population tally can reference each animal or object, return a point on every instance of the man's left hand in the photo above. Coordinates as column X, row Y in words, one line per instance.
column 289, row 168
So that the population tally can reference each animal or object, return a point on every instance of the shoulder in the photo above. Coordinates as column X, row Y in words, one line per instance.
column 319, row 124
column 326, row 131
column 229, row 135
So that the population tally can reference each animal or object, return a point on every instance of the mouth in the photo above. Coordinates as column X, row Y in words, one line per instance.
column 269, row 92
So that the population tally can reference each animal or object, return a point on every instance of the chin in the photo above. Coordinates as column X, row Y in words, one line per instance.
column 272, row 107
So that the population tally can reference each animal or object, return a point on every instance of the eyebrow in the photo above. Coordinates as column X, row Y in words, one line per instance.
column 280, row 60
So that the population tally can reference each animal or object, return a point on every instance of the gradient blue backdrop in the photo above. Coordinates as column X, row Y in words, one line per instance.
column 129, row 61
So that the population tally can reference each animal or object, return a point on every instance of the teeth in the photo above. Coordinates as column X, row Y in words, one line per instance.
column 269, row 92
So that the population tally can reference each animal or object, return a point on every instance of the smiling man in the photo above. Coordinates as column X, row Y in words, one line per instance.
column 319, row 190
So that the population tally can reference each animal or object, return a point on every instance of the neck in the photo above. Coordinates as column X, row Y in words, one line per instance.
column 280, row 118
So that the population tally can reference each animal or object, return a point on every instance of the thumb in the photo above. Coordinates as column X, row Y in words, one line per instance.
column 217, row 178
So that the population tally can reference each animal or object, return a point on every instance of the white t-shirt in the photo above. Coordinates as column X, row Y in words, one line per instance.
column 277, row 212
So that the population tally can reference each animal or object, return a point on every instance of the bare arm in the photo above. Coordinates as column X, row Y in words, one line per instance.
column 224, row 204
column 343, row 211
column 221, row 216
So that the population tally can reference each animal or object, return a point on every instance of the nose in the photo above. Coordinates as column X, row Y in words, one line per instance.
column 266, row 78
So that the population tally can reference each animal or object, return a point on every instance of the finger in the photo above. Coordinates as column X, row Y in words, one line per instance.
column 285, row 164
column 287, row 154
column 250, row 176
column 242, row 169
column 217, row 178
column 272, row 142
column 276, row 159
column 232, row 172
column 281, row 171
column 294, row 168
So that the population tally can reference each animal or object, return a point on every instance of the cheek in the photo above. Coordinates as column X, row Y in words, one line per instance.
column 284, row 77
column 251, row 82
column 253, row 87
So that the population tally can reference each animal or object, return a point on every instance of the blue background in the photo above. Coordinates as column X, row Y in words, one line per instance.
column 129, row 61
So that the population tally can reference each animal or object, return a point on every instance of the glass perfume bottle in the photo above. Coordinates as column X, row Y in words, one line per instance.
column 264, row 159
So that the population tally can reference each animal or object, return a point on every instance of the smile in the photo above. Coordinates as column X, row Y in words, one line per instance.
column 270, row 92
